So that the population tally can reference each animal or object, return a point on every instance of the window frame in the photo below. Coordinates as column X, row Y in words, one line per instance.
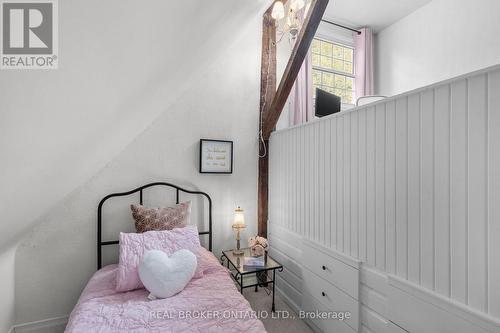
column 336, row 72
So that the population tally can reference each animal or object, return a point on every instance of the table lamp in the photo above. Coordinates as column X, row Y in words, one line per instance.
column 238, row 224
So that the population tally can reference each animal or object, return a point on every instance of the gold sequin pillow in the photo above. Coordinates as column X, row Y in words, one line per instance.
column 163, row 218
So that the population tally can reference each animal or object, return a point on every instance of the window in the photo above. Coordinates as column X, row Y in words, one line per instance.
column 333, row 69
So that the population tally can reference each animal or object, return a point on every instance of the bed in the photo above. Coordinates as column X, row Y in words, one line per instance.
column 211, row 303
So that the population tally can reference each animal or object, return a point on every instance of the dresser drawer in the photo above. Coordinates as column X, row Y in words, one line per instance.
column 331, row 298
column 331, row 269
column 310, row 305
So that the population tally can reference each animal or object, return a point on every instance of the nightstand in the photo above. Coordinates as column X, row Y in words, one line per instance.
column 246, row 277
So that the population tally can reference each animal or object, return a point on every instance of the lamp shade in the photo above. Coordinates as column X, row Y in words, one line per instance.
column 239, row 218
column 278, row 11
column 308, row 5
column 297, row 5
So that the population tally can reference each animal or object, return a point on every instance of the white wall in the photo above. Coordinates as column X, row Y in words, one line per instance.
column 441, row 40
column 7, row 284
column 330, row 32
column 122, row 64
column 409, row 185
column 127, row 106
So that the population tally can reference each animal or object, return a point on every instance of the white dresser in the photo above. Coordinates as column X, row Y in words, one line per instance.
column 316, row 278
column 330, row 284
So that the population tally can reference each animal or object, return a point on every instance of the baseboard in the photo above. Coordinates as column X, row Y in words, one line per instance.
column 51, row 325
column 457, row 309
column 312, row 326
column 11, row 330
column 295, row 307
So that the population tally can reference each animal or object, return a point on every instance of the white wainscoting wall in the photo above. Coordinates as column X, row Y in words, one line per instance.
column 410, row 186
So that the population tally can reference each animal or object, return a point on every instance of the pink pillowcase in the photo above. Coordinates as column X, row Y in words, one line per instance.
column 133, row 246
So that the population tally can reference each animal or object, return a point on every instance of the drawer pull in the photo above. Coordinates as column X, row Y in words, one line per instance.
column 323, row 294
column 323, row 267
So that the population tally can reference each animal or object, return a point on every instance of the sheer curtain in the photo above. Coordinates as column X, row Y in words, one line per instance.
column 300, row 101
column 301, row 96
column 364, row 63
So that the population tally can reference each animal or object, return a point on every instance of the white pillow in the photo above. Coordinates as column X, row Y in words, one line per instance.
column 163, row 276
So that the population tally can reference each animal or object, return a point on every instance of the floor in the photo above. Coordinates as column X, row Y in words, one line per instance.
column 261, row 301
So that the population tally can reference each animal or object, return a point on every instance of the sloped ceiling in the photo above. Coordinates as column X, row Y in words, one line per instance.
column 116, row 75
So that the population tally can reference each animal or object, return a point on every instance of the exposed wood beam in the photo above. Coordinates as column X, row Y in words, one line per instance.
column 267, row 92
column 263, row 193
column 297, row 57
column 272, row 101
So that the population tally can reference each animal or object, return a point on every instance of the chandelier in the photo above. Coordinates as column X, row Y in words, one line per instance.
column 291, row 25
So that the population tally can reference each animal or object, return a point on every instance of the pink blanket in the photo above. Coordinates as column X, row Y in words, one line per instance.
column 209, row 304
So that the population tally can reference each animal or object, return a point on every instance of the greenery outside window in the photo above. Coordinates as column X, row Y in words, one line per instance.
column 333, row 69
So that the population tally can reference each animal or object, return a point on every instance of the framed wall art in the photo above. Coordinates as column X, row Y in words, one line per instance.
column 216, row 156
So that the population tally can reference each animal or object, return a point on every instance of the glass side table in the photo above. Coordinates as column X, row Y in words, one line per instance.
column 247, row 277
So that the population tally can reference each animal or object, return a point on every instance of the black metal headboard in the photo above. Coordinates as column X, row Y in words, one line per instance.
column 178, row 189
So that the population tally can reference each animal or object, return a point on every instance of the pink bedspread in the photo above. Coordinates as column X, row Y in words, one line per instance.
column 209, row 304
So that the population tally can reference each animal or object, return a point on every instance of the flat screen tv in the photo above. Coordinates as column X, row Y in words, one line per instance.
column 326, row 103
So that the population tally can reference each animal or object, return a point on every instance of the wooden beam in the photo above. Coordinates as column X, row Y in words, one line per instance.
column 297, row 57
column 272, row 101
column 267, row 92
column 263, row 193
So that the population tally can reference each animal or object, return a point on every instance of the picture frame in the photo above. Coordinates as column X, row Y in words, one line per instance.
column 216, row 156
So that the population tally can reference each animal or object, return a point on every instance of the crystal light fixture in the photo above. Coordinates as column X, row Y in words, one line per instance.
column 297, row 5
column 278, row 11
column 292, row 24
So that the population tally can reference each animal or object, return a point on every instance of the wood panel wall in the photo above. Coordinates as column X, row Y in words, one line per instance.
column 410, row 185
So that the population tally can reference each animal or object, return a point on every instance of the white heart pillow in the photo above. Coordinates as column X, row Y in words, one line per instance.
column 165, row 276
